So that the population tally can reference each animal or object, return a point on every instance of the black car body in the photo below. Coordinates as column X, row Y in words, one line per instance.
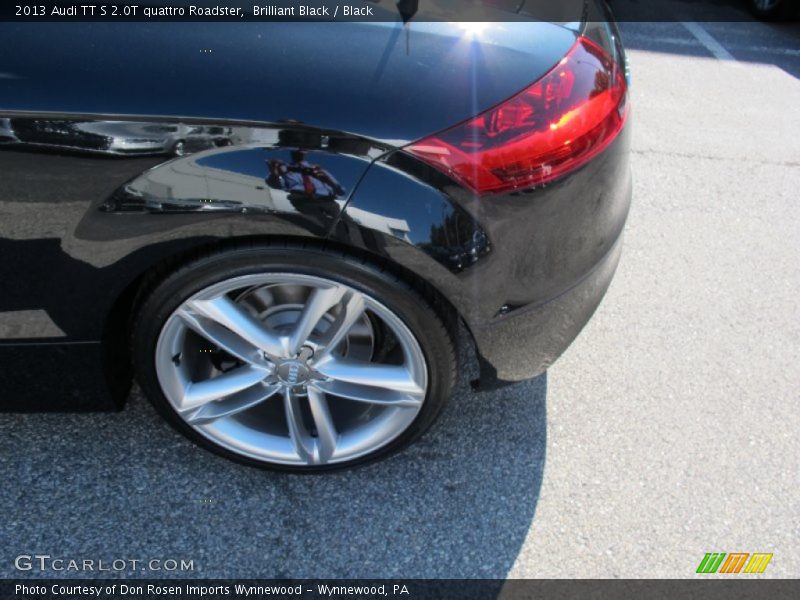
column 85, row 224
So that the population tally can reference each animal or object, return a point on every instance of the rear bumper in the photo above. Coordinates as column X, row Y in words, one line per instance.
column 525, row 342
column 524, row 270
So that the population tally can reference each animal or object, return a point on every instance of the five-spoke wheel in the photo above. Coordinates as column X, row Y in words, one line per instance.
column 291, row 368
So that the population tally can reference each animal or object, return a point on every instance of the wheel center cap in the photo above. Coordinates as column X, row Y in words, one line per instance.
column 293, row 373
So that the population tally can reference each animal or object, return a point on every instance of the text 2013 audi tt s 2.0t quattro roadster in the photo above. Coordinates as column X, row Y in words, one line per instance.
column 279, row 229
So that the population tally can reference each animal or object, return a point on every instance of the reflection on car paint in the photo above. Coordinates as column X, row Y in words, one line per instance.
column 119, row 137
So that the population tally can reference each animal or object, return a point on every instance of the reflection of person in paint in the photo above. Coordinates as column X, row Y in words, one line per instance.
column 303, row 177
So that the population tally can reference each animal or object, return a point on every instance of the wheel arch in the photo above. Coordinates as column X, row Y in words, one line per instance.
column 119, row 320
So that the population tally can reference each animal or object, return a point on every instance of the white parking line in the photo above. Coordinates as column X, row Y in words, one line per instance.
column 640, row 38
column 708, row 41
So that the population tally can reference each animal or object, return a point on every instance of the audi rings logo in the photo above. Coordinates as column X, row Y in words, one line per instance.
column 294, row 372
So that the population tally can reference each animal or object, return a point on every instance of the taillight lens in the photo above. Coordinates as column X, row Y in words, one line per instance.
column 549, row 129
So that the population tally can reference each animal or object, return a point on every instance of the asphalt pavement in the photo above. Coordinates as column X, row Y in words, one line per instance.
column 668, row 430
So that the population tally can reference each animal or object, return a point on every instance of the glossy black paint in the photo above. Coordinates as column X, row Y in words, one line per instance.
column 94, row 205
column 86, row 224
column 383, row 81
column 523, row 250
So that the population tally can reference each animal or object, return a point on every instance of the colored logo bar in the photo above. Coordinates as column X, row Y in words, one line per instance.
column 734, row 563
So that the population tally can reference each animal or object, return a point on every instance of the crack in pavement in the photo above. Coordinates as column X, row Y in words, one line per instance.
column 710, row 157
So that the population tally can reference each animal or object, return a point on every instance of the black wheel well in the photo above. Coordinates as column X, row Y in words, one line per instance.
column 119, row 321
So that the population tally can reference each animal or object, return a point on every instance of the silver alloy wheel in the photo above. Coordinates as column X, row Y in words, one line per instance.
column 291, row 369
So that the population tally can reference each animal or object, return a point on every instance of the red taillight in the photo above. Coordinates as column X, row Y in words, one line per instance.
column 551, row 128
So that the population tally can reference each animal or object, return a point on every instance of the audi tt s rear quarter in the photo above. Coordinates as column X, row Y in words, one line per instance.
column 281, row 238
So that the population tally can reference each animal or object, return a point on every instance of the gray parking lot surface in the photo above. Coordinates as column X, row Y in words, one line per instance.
column 668, row 430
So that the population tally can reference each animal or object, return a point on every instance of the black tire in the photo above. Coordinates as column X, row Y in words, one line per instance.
column 420, row 315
